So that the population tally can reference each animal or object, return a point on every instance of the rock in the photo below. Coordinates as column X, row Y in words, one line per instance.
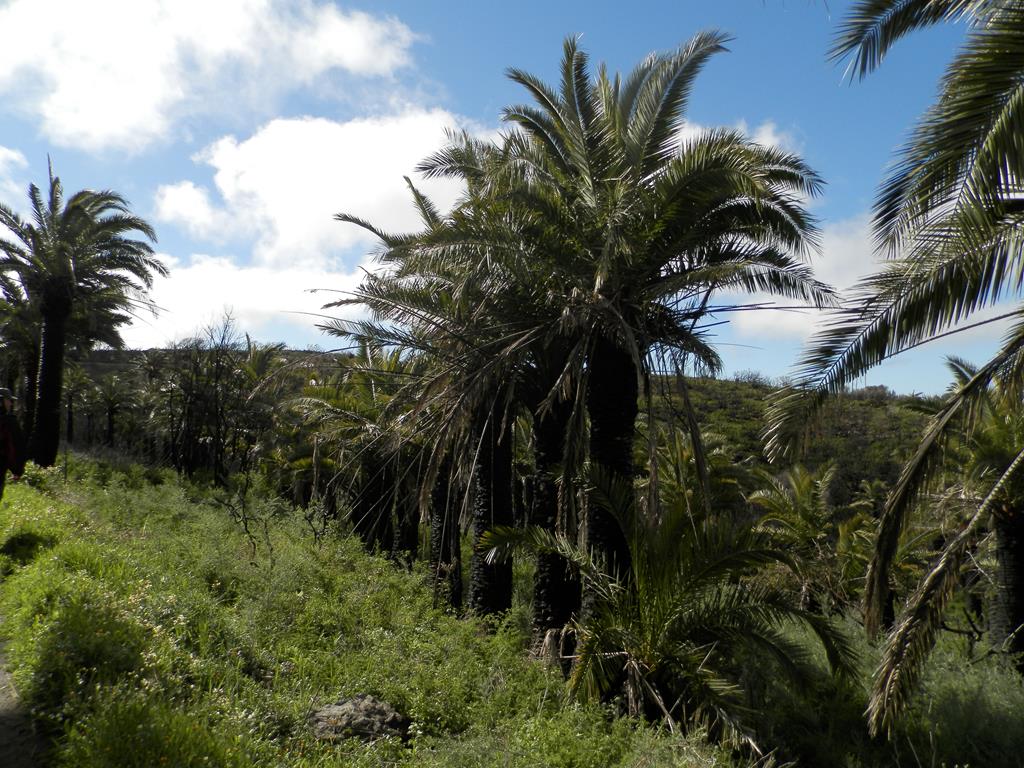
column 363, row 716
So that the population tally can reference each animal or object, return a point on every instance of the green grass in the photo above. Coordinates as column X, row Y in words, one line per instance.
column 144, row 629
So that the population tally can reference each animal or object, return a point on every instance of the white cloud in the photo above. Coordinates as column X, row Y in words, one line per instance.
column 11, row 163
column 189, row 206
column 768, row 134
column 110, row 74
column 847, row 255
column 283, row 185
column 271, row 304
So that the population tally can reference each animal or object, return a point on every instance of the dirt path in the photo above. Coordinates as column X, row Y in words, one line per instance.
column 20, row 746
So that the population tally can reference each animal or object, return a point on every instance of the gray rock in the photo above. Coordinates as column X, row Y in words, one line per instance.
column 363, row 716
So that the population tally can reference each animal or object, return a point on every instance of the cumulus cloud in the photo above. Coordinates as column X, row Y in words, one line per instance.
column 11, row 164
column 283, row 185
column 268, row 303
column 768, row 134
column 189, row 206
column 847, row 252
column 111, row 74
column 846, row 255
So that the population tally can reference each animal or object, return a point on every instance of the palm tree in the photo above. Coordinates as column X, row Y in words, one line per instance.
column 19, row 328
column 988, row 497
column 589, row 238
column 70, row 250
column 429, row 302
column 677, row 635
column 949, row 217
column 797, row 514
column 76, row 387
column 677, row 480
column 358, row 418
column 114, row 394
column 992, row 446
column 642, row 229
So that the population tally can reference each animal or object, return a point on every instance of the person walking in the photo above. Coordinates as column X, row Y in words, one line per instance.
column 12, row 444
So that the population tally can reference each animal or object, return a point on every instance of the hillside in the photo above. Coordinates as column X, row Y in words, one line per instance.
column 871, row 430
column 146, row 627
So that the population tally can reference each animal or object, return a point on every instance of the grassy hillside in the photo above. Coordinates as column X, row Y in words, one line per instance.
column 147, row 629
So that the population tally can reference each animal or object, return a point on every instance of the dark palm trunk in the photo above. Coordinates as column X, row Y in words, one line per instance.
column 1008, row 619
column 31, row 363
column 445, row 552
column 45, row 440
column 69, row 423
column 490, row 586
column 612, row 394
column 407, row 532
column 371, row 509
column 111, row 414
column 556, row 590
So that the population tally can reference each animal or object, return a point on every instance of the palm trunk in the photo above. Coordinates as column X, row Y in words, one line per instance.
column 612, row 394
column 31, row 363
column 445, row 552
column 371, row 509
column 490, row 586
column 69, row 423
column 407, row 533
column 45, row 439
column 556, row 590
column 1008, row 619
column 111, row 413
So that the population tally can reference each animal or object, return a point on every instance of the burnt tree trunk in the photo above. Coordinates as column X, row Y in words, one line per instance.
column 31, row 384
column 407, row 530
column 371, row 509
column 111, row 416
column 69, row 422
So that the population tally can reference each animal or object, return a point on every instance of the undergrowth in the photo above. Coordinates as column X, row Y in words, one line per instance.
column 145, row 628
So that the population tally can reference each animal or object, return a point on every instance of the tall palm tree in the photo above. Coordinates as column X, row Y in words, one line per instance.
column 114, row 394
column 590, row 238
column 644, row 228
column 950, row 220
column 19, row 328
column 437, row 299
column 76, row 387
column 71, row 249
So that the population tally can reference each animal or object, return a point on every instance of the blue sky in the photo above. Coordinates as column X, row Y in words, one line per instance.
column 238, row 127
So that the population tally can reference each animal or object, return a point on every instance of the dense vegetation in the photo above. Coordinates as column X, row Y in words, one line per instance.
column 146, row 628
column 525, row 452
